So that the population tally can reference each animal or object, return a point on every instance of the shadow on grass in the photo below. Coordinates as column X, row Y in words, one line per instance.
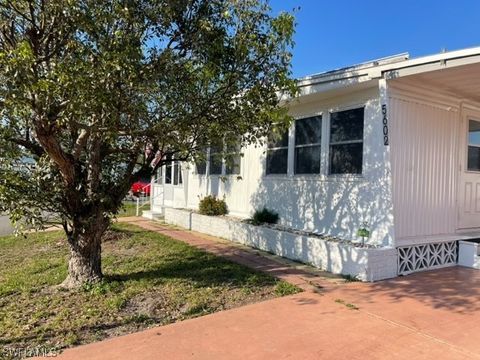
column 202, row 270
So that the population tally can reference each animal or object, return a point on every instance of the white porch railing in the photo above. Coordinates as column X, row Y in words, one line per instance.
column 147, row 200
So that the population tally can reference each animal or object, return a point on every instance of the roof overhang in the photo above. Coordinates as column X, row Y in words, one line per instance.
column 394, row 67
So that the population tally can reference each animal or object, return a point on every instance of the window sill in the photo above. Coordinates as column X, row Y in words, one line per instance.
column 276, row 176
column 345, row 177
column 229, row 176
column 316, row 177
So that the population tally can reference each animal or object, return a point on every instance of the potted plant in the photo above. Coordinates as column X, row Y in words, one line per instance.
column 363, row 232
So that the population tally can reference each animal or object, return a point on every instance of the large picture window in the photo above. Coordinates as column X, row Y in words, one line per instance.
column 346, row 141
column 473, row 145
column 277, row 153
column 308, row 136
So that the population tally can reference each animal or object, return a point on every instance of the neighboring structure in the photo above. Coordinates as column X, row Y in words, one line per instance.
column 393, row 142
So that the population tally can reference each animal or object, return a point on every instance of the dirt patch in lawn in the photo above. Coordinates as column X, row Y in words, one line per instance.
column 150, row 280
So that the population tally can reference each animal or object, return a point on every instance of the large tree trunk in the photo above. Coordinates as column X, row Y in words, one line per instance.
column 85, row 264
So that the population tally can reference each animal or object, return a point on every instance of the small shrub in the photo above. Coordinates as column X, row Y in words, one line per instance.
column 265, row 216
column 212, row 206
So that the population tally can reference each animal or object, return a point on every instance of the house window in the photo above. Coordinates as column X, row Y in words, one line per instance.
column 473, row 163
column 215, row 160
column 277, row 153
column 346, row 141
column 168, row 170
column 233, row 160
column 308, row 136
column 201, row 166
column 201, row 163
column 173, row 171
column 177, row 173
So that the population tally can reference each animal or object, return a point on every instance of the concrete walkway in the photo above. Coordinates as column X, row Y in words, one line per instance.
column 430, row 315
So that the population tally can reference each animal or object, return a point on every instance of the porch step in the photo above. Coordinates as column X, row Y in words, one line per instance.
column 152, row 215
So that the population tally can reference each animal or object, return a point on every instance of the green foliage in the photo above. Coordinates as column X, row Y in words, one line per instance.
column 92, row 92
column 212, row 206
column 265, row 216
column 101, row 288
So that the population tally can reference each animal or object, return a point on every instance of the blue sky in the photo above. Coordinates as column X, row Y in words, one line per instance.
column 337, row 33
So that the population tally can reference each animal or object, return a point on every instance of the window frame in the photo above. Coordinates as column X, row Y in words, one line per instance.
column 317, row 144
column 287, row 147
column 210, row 162
column 168, row 171
column 175, row 166
column 237, row 154
column 346, row 142
column 223, row 172
column 469, row 118
column 207, row 156
column 177, row 170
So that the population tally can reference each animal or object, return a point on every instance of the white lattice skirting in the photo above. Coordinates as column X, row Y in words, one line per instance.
column 426, row 256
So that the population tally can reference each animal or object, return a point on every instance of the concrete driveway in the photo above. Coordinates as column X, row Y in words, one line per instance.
column 431, row 315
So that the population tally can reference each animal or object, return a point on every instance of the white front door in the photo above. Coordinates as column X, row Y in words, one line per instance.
column 469, row 180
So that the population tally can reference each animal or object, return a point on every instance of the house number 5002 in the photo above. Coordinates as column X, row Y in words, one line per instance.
column 385, row 125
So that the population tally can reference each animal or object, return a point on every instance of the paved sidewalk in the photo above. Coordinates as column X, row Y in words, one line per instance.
column 314, row 326
column 430, row 315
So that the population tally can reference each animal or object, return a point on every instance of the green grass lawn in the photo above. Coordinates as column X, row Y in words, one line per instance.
column 130, row 209
column 150, row 279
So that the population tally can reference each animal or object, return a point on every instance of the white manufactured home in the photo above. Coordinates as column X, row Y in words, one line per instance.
column 394, row 143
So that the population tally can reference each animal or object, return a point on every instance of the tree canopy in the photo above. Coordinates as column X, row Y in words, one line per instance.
column 92, row 92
